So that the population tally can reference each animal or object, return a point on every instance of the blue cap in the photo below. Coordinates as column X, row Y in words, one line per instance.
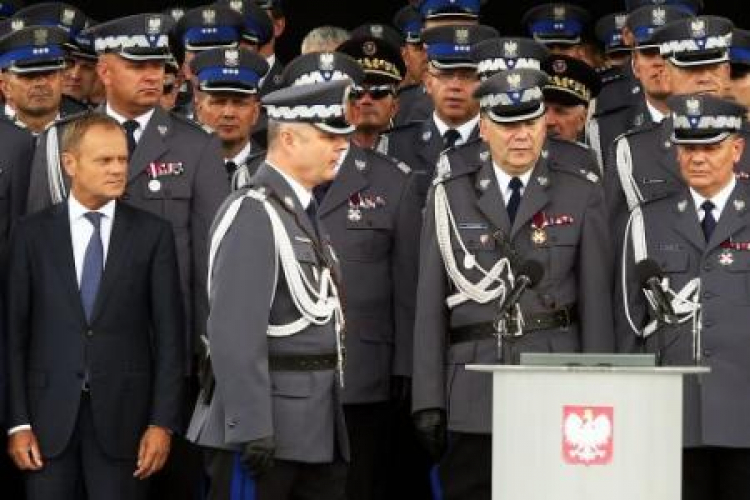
column 556, row 23
column 408, row 21
column 7, row 9
column 258, row 26
column 439, row 9
column 609, row 32
column 450, row 46
column 229, row 70
column 644, row 21
column 209, row 27
column 33, row 49
column 690, row 6
column 500, row 54
column 317, row 67
column 739, row 53
column 512, row 96
column 704, row 119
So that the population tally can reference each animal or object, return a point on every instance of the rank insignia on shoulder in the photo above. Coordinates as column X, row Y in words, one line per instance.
column 484, row 184
column 589, row 175
column 484, row 156
column 289, row 202
column 403, row 167
column 426, row 136
column 543, row 180
column 682, row 206
column 163, row 129
column 360, row 164
column 739, row 205
column 742, row 176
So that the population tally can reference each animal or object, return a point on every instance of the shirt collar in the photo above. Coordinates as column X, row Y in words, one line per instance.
column 303, row 195
column 271, row 60
column 656, row 115
column 241, row 157
column 78, row 211
column 465, row 130
column 503, row 178
column 142, row 119
column 719, row 200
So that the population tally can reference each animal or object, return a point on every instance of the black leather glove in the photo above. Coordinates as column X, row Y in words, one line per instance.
column 401, row 390
column 258, row 455
column 432, row 430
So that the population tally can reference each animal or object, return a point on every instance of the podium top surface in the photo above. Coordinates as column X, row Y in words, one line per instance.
column 653, row 370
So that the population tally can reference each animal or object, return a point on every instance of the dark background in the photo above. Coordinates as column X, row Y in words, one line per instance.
column 303, row 15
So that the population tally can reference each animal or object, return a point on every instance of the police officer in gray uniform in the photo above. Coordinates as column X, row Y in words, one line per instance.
column 641, row 165
column 451, row 79
column 275, row 418
column 484, row 220
column 698, row 240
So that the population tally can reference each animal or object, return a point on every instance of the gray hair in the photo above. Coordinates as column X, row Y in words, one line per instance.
column 324, row 39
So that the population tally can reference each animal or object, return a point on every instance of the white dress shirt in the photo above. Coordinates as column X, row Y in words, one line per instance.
column 80, row 234
column 503, row 182
column 142, row 120
column 464, row 130
column 81, row 230
column 719, row 200
column 241, row 157
column 656, row 115
column 271, row 60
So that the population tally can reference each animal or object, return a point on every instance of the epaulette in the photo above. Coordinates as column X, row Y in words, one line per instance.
column 582, row 173
column 575, row 145
column 187, row 121
column 636, row 131
column 742, row 176
column 69, row 118
column 401, row 166
column 403, row 126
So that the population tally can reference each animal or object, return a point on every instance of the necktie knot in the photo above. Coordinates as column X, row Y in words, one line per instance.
column 515, row 184
column 130, row 127
column 707, row 206
column 450, row 137
column 708, row 224
column 95, row 218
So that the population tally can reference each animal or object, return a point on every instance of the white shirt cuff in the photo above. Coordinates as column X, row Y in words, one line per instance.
column 18, row 428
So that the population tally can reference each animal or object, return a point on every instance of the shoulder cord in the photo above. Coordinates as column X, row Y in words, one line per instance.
column 595, row 141
column 686, row 302
column 55, row 178
column 316, row 306
column 480, row 292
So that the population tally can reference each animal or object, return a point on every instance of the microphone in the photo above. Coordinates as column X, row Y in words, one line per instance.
column 529, row 275
column 649, row 276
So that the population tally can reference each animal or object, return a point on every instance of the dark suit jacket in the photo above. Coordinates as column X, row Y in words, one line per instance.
column 18, row 150
column 131, row 348
column 188, row 198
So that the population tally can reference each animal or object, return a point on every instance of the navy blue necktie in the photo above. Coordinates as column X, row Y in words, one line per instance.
column 93, row 265
column 515, row 186
column 451, row 137
column 312, row 213
column 130, row 127
column 709, row 222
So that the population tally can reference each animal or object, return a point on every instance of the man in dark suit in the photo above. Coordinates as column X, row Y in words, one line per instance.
column 95, row 326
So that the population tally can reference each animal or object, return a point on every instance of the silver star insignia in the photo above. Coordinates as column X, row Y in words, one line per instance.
column 667, row 144
column 163, row 129
column 739, row 205
column 427, row 136
column 484, row 184
column 682, row 206
column 545, row 153
column 592, row 177
column 543, row 181
column 289, row 202
column 484, row 156
column 360, row 164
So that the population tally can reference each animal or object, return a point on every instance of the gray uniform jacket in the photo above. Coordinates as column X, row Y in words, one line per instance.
column 187, row 191
column 300, row 409
column 716, row 406
column 575, row 257
column 419, row 145
column 373, row 218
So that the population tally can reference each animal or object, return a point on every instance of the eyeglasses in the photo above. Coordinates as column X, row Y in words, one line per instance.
column 377, row 92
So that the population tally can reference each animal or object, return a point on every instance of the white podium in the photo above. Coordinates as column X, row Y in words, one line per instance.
column 580, row 433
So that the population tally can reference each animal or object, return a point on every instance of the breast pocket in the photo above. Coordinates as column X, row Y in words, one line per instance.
column 369, row 237
column 736, row 278
column 563, row 248
column 171, row 197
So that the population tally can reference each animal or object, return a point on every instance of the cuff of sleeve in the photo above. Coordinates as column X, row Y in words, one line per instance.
column 19, row 428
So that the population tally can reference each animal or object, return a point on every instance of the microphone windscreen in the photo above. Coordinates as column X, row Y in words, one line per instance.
column 647, row 269
column 534, row 270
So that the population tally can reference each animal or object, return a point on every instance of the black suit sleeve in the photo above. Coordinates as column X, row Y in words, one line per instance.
column 167, row 318
column 18, row 314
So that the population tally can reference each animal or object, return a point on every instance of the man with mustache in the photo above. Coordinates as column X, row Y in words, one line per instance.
column 32, row 79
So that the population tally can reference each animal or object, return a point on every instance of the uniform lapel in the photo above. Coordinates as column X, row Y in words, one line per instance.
column 63, row 258
column 348, row 181
column 732, row 218
column 687, row 221
column 152, row 144
column 535, row 195
column 429, row 143
column 273, row 180
column 490, row 201
column 118, row 251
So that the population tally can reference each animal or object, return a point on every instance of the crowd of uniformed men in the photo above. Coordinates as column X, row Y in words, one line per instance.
column 344, row 230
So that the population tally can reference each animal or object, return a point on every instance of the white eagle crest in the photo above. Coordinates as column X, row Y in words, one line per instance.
column 511, row 49
column 209, row 17
column 558, row 12
column 698, row 28
column 659, row 17
column 693, row 107
column 514, row 80
column 68, row 16
column 587, row 435
column 236, row 5
column 326, row 61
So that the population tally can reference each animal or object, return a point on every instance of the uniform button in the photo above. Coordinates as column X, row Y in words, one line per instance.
column 89, row 333
column 707, row 352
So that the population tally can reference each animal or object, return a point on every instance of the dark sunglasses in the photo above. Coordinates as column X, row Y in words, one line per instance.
column 377, row 92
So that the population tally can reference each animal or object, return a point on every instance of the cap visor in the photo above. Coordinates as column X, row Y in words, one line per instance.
column 529, row 115
column 704, row 138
